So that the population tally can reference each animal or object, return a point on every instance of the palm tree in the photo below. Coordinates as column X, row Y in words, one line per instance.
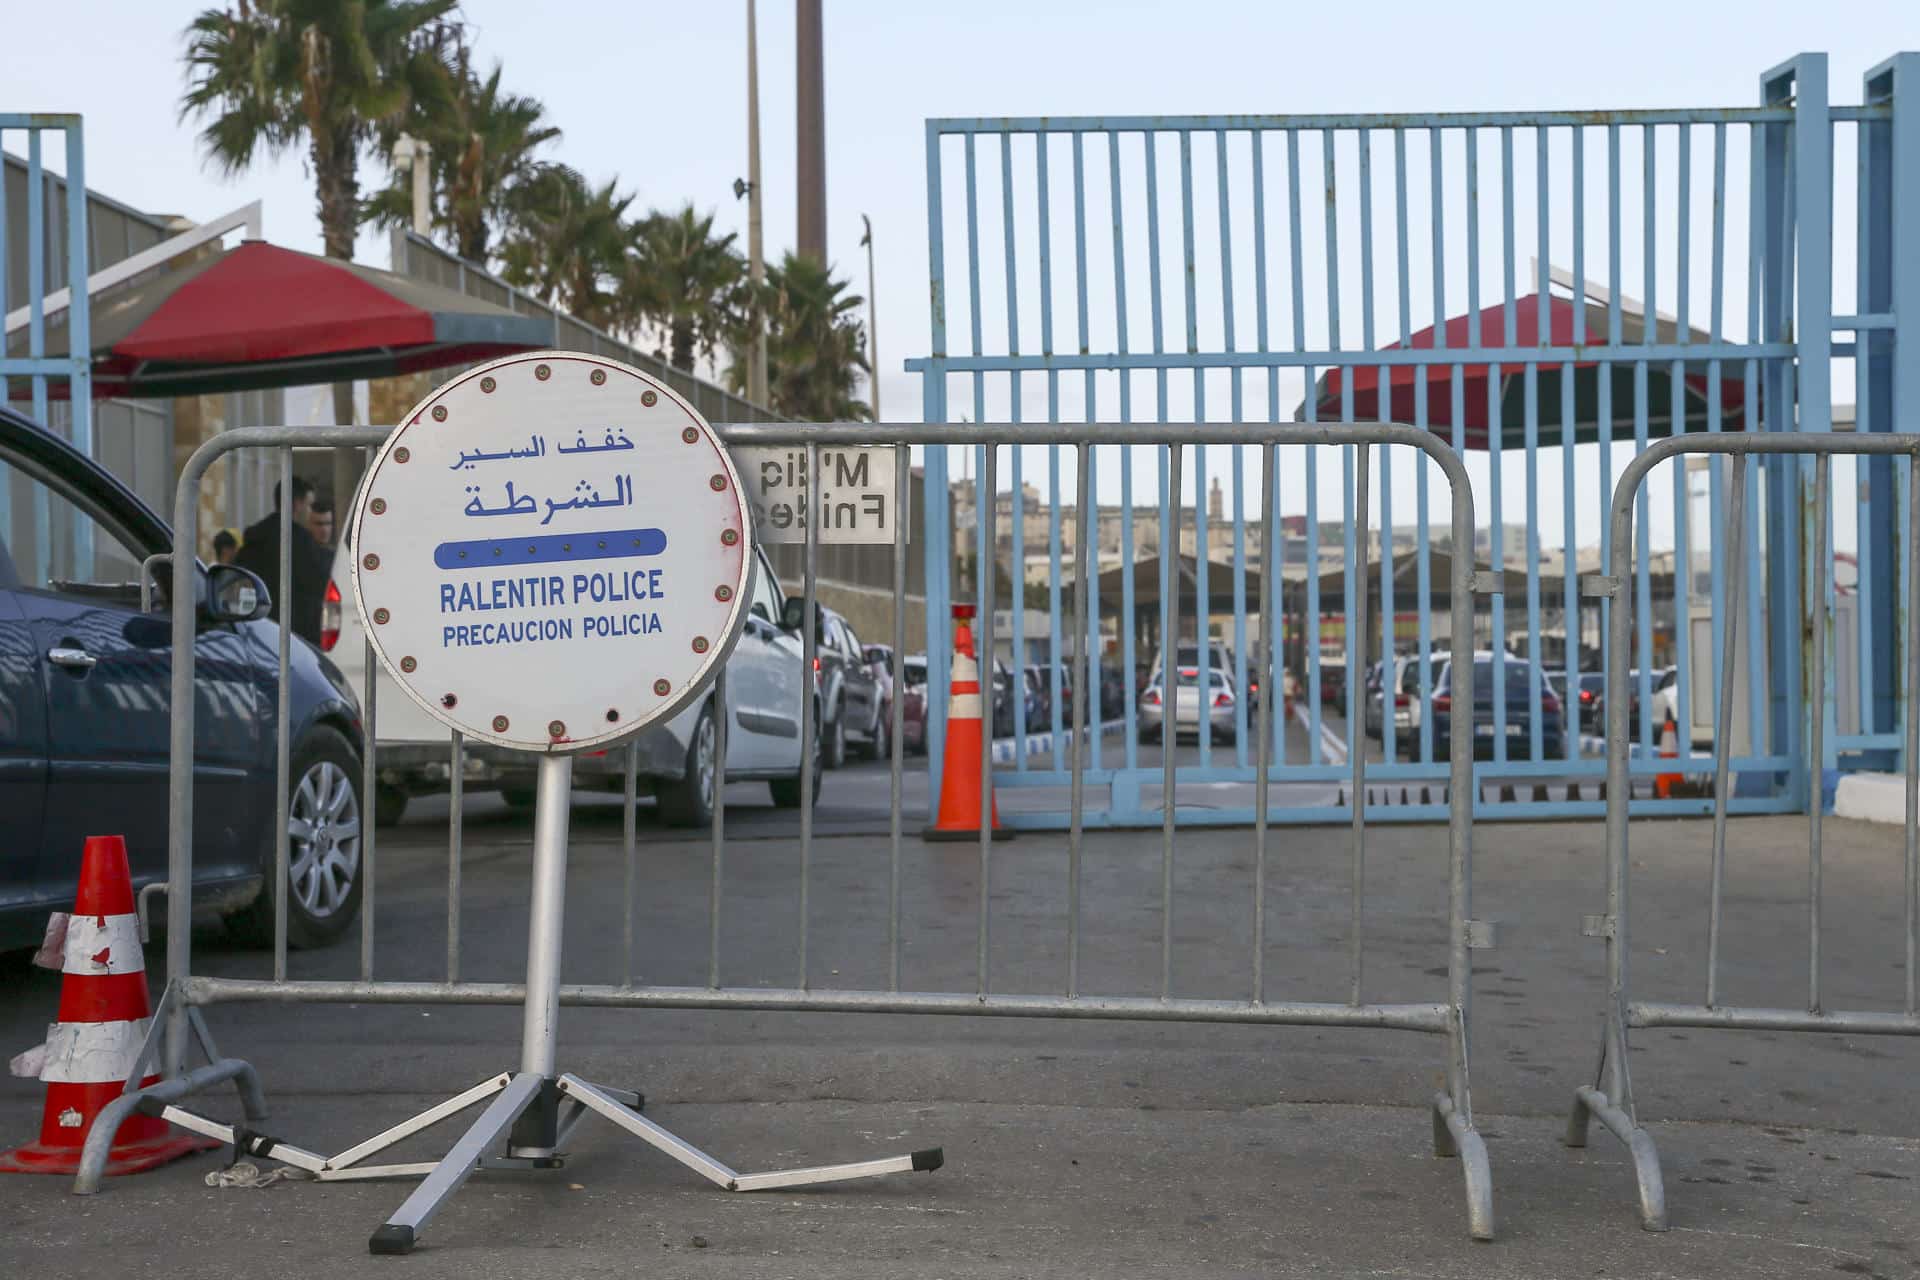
column 816, row 345
column 483, row 162
column 569, row 245
column 269, row 75
column 685, row 282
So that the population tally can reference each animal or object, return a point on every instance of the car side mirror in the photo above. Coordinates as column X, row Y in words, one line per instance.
column 235, row 595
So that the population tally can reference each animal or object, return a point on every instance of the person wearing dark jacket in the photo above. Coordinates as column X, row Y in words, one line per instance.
column 260, row 553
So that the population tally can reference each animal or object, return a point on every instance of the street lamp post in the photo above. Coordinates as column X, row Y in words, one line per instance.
column 756, row 260
column 873, row 319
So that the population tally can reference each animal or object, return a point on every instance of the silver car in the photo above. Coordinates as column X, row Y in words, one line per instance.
column 676, row 760
column 1191, row 710
column 1404, row 688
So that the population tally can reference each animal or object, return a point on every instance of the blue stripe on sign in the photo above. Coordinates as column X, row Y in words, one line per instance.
column 489, row 553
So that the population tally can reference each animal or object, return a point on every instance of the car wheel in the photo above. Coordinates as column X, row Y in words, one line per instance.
column 324, row 820
column 835, row 747
column 878, row 746
column 689, row 802
column 786, row 791
column 389, row 805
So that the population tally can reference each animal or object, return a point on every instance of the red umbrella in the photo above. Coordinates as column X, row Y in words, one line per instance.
column 1562, row 318
column 262, row 316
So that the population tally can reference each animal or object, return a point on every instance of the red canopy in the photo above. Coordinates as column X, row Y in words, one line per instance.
column 262, row 316
column 1571, row 329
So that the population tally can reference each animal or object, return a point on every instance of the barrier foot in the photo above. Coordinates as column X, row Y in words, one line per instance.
column 1464, row 1141
column 400, row 1231
column 154, row 1099
column 662, row 1139
column 1577, row 1123
column 1444, row 1147
column 1646, row 1157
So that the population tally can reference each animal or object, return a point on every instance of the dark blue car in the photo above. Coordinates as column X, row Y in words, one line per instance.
column 1449, row 699
column 84, row 713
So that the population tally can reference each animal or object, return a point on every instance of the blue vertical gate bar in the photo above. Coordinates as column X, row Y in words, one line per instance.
column 1813, row 293
column 937, row 518
column 1888, row 380
column 75, row 367
column 1657, row 373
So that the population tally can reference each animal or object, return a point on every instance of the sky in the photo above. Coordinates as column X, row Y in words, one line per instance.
column 654, row 93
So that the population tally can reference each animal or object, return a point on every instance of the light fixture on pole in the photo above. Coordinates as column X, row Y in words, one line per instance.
column 873, row 318
column 415, row 155
column 756, row 257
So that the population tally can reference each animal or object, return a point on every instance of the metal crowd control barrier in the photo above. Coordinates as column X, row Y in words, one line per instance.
column 1453, row 1128
column 1610, row 1097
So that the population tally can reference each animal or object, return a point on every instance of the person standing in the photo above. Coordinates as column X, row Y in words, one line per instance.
column 320, row 521
column 225, row 547
column 260, row 554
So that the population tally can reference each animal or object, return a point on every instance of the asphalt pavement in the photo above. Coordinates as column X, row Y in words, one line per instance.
column 1073, row 1147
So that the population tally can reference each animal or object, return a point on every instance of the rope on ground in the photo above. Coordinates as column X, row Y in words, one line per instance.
column 248, row 1175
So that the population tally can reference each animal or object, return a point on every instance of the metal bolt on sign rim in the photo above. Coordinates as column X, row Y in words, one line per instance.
column 598, row 377
column 439, row 413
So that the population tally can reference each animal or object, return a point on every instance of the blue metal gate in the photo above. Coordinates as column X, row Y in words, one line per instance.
column 1093, row 229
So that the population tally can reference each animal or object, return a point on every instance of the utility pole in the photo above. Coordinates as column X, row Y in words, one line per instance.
column 811, row 168
column 873, row 320
column 756, row 257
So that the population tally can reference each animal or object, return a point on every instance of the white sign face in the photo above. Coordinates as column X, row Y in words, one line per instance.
column 552, row 553
column 857, row 506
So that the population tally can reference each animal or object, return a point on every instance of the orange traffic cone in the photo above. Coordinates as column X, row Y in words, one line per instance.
column 960, row 768
column 1665, row 785
column 104, row 1014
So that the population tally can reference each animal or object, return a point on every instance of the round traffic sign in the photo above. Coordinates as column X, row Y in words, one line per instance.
column 552, row 552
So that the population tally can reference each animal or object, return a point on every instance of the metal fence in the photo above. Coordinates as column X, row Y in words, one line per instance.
column 1164, row 267
column 1072, row 993
column 1610, row 1097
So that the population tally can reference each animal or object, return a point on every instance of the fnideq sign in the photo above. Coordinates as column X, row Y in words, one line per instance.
column 552, row 552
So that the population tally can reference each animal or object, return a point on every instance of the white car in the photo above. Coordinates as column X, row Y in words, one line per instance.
column 765, row 677
column 1405, row 690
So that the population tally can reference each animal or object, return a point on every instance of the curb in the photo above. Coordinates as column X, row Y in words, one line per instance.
column 1040, row 744
column 1410, row 793
column 1871, row 797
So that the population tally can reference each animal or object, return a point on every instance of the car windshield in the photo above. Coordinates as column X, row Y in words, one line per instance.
column 1190, row 677
column 1518, row 679
column 914, row 672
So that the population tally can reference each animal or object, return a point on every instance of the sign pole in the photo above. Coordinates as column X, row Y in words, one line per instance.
column 553, row 797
